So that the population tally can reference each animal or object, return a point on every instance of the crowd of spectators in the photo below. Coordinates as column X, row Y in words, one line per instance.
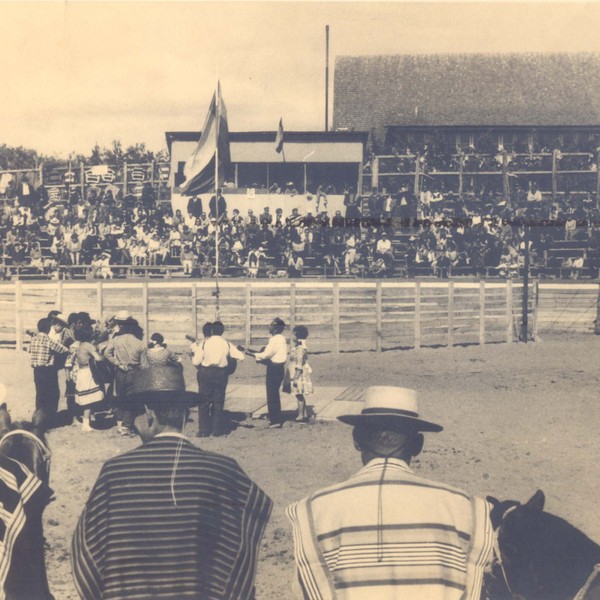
column 376, row 234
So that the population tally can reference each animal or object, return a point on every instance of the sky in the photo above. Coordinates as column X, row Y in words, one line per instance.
column 78, row 73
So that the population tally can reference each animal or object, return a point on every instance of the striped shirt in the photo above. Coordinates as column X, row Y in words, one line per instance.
column 387, row 533
column 42, row 350
column 21, row 496
column 169, row 520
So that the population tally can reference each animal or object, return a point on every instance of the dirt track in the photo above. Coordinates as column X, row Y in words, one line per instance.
column 517, row 418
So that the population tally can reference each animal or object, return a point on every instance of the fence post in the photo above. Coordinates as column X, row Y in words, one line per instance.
column 534, row 316
column 18, row 322
column 598, row 177
column 336, row 316
column 292, row 307
column 461, row 168
column 195, row 310
column 248, row 324
column 505, row 177
column 375, row 173
column 378, row 316
column 59, row 295
column 554, row 174
column 451, row 313
column 417, row 315
column 482, row 312
column 99, row 301
column 145, row 308
column 509, row 312
column 417, row 174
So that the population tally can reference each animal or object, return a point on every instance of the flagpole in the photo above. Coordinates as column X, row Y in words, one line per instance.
column 217, row 290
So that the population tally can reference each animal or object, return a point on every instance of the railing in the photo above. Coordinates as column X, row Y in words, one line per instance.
column 418, row 167
column 399, row 270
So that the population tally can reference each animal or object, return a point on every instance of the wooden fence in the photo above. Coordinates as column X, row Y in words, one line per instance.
column 340, row 315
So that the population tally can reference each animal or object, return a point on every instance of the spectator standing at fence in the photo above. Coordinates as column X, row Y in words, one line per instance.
column 274, row 356
column 43, row 352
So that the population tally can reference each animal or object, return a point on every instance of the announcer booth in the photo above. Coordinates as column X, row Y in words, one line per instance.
column 259, row 176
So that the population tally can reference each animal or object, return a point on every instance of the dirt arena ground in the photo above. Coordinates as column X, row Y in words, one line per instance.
column 517, row 418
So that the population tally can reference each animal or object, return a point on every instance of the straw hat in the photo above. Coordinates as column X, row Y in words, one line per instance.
column 122, row 316
column 390, row 406
column 60, row 317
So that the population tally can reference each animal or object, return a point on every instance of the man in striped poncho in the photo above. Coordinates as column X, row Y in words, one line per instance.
column 167, row 519
column 387, row 533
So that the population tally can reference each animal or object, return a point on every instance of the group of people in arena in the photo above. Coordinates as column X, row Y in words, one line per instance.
column 376, row 234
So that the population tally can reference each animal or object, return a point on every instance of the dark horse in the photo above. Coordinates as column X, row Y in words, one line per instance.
column 24, row 443
column 540, row 556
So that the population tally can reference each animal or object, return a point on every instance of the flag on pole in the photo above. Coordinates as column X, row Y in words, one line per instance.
column 279, row 137
column 199, row 169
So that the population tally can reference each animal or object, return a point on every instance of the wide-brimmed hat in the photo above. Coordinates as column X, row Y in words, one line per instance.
column 159, row 384
column 122, row 316
column 60, row 317
column 390, row 406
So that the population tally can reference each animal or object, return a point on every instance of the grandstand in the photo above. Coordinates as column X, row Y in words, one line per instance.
column 440, row 166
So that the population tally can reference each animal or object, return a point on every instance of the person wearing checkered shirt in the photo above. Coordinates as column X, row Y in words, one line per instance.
column 43, row 351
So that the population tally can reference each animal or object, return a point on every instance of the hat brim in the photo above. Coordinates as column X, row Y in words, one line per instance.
column 179, row 398
column 391, row 421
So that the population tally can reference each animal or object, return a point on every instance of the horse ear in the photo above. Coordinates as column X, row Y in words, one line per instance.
column 3, row 406
column 39, row 423
column 496, row 512
column 537, row 501
column 493, row 501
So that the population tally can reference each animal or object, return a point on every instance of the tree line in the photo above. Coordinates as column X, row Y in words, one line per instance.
column 18, row 157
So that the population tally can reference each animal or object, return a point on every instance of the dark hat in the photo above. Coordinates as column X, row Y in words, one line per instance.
column 85, row 318
column 159, row 384
column 279, row 322
column 390, row 407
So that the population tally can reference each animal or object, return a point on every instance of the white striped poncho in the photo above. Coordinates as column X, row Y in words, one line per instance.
column 406, row 537
column 147, row 533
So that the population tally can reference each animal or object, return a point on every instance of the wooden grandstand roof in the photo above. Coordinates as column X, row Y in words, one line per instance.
column 374, row 92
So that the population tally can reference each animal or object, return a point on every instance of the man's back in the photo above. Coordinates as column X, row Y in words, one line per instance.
column 168, row 520
column 387, row 533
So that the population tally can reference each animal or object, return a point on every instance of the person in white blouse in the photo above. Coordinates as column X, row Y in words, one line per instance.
column 274, row 356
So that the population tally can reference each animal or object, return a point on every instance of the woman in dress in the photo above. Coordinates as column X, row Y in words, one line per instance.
column 300, row 370
column 88, row 392
column 157, row 353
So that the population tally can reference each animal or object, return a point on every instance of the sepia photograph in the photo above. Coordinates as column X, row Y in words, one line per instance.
column 299, row 300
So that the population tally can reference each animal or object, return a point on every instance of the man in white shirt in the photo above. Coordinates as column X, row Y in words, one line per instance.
column 212, row 359
column 383, row 249
column 274, row 355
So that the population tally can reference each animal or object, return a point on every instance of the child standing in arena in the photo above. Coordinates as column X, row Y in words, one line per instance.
column 300, row 371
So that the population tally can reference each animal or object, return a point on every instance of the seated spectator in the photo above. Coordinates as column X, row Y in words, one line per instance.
column 256, row 259
column 295, row 265
column 188, row 259
column 338, row 219
column 383, row 250
column 266, row 218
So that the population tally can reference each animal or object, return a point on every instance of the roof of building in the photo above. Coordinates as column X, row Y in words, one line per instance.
column 290, row 137
column 373, row 92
